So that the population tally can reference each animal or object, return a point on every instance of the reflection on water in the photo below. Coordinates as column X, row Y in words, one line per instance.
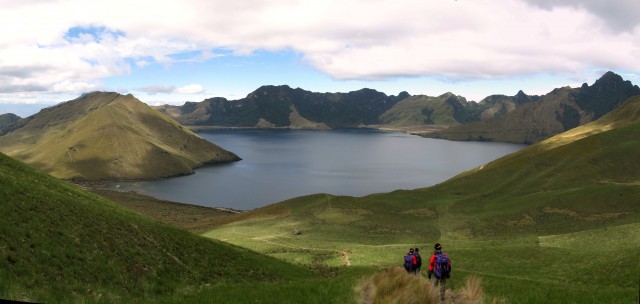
column 281, row 164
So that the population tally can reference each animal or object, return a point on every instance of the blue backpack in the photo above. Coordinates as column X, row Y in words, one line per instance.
column 408, row 262
column 442, row 268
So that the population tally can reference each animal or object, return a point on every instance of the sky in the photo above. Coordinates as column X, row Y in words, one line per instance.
column 172, row 51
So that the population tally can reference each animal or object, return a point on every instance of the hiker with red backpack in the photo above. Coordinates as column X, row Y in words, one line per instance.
column 410, row 261
column 416, row 255
column 440, row 268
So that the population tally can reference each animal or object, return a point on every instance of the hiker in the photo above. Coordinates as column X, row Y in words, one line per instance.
column 416, row 255
column 409, row 261
column 440, row 268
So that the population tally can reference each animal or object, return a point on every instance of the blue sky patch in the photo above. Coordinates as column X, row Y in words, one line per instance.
column 96, row 32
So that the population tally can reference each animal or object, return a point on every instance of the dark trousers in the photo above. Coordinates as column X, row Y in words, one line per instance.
column 442, row 282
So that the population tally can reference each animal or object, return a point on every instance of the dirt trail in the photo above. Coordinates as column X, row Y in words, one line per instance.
column 343, row 253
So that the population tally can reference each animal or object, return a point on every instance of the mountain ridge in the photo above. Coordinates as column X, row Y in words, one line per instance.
column 555, row 112
column 273, row 106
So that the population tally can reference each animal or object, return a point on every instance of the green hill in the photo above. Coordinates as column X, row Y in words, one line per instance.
column 425, row 110
column 62, row 244
column 557, row 221
column 108, row 136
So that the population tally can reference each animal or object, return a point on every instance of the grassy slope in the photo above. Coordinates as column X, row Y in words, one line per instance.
column 192, row 218
column 62, row 244
column 558, row 220
column 109, row 136
column 420, row 110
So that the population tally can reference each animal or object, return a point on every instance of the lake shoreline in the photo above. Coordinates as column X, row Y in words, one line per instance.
column 280, row 164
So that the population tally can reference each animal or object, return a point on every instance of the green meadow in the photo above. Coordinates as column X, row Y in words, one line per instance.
column 588, row 266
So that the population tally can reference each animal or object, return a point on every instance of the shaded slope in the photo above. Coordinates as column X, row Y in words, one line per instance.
column 7, row 120
column 62, row 244
column 108, row 136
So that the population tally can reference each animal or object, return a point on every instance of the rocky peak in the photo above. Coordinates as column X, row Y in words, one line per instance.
column 270, row 89
column 610, row 80
column 521, row 97
column 403, row 95
column 605, row 94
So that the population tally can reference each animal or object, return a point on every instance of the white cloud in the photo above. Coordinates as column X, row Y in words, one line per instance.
column 171, row 89
column 157, row 89
column 190, row 89
column 346, row 39
column 72, row 87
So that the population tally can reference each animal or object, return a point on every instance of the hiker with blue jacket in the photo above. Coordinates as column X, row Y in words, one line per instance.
column 440, row 268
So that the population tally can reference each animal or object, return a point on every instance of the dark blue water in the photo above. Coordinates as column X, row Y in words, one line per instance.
column 282, row 164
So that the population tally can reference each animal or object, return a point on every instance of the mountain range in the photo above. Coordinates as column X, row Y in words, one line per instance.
column 519, row 119
column 108, row 136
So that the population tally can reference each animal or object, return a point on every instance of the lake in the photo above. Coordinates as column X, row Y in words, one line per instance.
column 282, row 164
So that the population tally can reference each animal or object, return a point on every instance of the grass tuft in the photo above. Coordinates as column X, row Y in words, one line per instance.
column 395, row 285
column 472, row 291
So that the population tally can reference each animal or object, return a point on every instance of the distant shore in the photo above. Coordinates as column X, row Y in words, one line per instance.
column 416, row 130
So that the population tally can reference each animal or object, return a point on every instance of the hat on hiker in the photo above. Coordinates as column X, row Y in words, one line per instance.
column 438, row 246
column 410, row 249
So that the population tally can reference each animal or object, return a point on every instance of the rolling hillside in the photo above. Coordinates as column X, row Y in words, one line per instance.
column 60, row 244
column 548, row 223
column 108, row 136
